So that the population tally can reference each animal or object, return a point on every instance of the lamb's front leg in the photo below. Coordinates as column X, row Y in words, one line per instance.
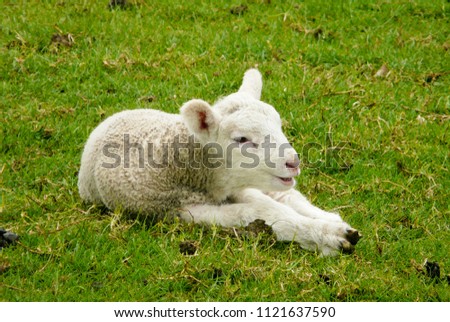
column 300, row 204
column 317, row 235
column 295, row 200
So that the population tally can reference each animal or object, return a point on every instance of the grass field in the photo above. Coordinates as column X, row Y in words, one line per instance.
column 67, row 65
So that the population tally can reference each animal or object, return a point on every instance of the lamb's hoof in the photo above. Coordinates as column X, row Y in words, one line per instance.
column 347, row 247
column 353, row 236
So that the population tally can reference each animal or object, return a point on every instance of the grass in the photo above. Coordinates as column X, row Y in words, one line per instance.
column 67, row 65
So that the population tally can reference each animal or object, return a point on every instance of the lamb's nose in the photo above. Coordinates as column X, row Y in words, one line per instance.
column 293, row 164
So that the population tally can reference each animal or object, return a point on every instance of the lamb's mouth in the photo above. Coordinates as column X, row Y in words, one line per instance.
column 286, row 181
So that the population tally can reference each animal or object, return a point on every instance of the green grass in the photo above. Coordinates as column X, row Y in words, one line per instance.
column 390, row 180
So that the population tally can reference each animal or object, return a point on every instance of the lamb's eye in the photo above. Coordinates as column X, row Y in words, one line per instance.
column 241, row 140
column 244, row 140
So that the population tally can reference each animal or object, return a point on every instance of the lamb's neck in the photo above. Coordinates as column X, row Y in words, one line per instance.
column 223, row 184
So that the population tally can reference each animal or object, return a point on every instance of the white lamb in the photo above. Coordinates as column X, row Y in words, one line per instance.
column 227, row 165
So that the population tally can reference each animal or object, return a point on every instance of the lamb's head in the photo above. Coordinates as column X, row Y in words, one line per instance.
column 244, row 136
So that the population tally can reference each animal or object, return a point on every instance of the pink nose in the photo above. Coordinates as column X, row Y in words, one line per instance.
column 293, row 164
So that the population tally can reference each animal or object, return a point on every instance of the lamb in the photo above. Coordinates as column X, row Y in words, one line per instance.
column 228, row 164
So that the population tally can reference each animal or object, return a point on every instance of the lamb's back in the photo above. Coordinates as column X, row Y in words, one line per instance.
column 130, row 162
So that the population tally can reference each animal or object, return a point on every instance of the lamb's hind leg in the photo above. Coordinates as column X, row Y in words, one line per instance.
column 295, row 200
column 317, row 235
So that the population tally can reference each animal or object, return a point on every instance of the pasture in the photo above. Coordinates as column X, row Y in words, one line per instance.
column 363, row 88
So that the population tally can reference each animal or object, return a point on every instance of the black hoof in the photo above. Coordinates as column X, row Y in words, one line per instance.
column 347, row 247
column 353, row 236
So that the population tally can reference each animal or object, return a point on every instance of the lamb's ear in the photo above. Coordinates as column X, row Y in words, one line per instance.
column 200, row 119
column 252, row 83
